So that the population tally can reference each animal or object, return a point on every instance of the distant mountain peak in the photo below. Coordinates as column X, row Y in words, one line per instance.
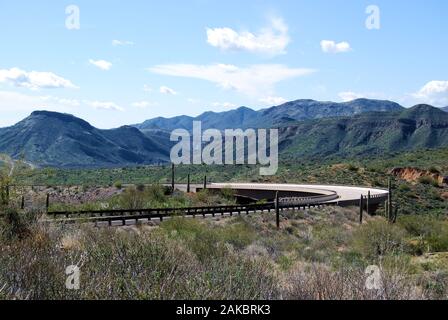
column 63, row 117
column 55, row 139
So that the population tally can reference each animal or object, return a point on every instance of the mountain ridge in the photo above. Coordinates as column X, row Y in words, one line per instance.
column 419, row 127
column 54, row 139
column 63, row 140
column 244, row 117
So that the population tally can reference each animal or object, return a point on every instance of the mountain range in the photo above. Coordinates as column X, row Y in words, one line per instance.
column 419, row 127
column 243, row 117
column 307, row 128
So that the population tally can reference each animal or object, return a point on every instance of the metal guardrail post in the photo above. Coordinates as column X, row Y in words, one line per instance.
column 277, row 210
column 188, row 183
column 361, row 208
column 368, row 202
column 172, row 178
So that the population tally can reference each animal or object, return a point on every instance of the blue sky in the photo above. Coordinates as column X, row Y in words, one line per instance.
column 135, row 60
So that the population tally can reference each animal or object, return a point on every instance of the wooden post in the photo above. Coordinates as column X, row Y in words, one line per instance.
column 188, row 183
column 368, row 203
column 22, row 204
column 205, row 182
column 172, row 178
column 386, row 209
column 277, row 210
column 395, row 215
column 7, row 194
column 47, row 202
column 361, row 208
column 390, row 212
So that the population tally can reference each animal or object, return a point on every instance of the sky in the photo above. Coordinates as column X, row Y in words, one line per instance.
column 115, row 63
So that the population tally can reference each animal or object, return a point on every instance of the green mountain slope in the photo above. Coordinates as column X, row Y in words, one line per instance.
column 62, row 140
column 422, row 126
column 291, row 111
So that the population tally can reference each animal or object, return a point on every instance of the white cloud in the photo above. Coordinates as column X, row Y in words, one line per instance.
column 15, row 106
column 147, row 88
column 62, row 101
column 34, row 80
column 434, row 92
column 272, row 40
column 224, row 105
column 117, row 43
column 166, row 90
column 15, row 101
column 143, row 104
column 256, row 80
column 330, row 46
column 273, row 101
column 350, row 96
column 102, row 64
column 105, row 105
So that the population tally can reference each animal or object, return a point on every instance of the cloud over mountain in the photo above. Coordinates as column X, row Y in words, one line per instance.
column 254, row 80
column 271, row 40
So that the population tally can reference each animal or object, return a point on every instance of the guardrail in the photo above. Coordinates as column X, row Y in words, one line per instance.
column 123, row 215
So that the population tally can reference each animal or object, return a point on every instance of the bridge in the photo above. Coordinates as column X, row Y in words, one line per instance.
column 290, row 197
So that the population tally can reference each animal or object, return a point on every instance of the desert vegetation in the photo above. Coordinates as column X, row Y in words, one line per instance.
column 315, row 255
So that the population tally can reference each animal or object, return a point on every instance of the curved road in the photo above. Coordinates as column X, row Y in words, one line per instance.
column 345, row 193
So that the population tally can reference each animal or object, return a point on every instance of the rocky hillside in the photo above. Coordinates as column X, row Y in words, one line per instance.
column 419, row 127
column 61, row 140
column 298, row 110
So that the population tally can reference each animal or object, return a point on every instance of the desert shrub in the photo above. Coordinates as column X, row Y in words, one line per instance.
column 430, row 232
column 202, row 240
column 15, row 224
column 156, row 193
column 319, row 282
column 127, row 265
column 428, row 181
column 228, row 194
column 404, row 187
column 379, row 238
column 203, row 196
column 131, row 198
column 118, row 184
column 434, row 169
column 239, row 234
column 435, row 285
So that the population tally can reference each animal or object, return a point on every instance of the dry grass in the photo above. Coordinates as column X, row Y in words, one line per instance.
column 316, row 255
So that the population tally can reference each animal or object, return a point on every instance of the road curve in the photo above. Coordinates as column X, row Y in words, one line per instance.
column 344, row 193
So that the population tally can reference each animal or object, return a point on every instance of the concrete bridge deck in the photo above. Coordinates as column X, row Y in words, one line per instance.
column 343, row 195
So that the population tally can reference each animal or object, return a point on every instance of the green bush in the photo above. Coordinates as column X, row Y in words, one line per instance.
column 428, row 181
column 379, row 238
column 131, row 198
column 431, row 232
